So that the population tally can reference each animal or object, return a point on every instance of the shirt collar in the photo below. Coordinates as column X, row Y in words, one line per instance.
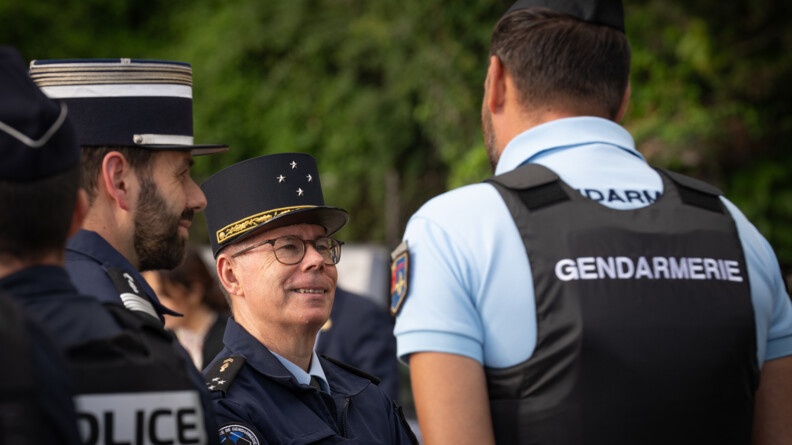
column 305, row 377
column 562, row 134
column 238, row 340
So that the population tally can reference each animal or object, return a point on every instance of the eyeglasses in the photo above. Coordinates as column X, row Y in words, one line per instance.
column 290, row 250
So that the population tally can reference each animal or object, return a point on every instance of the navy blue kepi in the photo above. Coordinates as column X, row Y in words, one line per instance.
column 264, row 193
column 125, row 102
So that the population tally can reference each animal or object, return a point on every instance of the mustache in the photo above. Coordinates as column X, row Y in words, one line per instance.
column 187, row 215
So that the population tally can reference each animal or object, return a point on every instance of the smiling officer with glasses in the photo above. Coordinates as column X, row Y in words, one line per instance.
column 271, row 235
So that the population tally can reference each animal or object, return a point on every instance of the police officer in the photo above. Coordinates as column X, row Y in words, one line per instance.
column 642, row 317
column 38, row 195
column 133, row 120
column 271, row 234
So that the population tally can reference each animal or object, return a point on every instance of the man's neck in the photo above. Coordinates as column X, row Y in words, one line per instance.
column 113, row 233
column 296, row 347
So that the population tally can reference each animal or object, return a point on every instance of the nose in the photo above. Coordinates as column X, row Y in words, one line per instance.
column 312, row 257
column 196, row 199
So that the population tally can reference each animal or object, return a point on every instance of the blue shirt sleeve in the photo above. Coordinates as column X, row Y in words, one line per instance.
column 772, row 306
column 470, row 288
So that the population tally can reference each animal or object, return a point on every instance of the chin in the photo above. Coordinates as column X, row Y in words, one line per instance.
column 316, row 318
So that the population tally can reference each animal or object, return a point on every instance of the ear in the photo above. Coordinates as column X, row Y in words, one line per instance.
column 495, row 85
column 227, row 276
column 625, row 102
column 116, row 176
column 80, row 210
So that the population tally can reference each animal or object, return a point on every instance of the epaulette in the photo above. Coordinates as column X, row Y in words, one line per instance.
column 222, row 372
column 352, row 369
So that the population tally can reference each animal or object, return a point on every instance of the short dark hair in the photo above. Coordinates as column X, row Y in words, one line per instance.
column 92, row 158
column 195, row 270
column 557, row 59
column 35, row 216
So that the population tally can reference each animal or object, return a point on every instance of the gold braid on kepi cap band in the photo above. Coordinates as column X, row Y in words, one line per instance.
column 57, row 74
column 251, row 222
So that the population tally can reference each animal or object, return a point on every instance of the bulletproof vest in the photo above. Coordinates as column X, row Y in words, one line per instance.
column 135, row 388
column 28, row 413
column 645, row 327
column 17, row 386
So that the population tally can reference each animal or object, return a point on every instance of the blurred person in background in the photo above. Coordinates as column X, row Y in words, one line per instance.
column 192, row 290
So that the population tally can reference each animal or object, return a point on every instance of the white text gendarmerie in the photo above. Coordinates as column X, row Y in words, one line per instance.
column 652, row 268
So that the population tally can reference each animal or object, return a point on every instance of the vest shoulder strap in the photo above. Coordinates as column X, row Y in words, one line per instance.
column 536, row 185
column 695, row 192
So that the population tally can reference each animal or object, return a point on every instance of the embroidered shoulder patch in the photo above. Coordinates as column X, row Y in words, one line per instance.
column 222, row 373
column 400, row 262
column 237, row 434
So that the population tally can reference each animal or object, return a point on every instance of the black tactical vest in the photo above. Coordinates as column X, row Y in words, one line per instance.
column 136, row 388
column 645, row 327
column 35, row 393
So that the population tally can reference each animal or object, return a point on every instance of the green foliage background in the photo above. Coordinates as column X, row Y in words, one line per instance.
column 386, row 95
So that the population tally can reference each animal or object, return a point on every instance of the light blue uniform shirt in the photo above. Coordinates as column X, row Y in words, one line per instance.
column 305, row 377
column 470, row 289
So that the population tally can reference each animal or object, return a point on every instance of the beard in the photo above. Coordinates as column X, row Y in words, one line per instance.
column 489, row 138
column 157, row 241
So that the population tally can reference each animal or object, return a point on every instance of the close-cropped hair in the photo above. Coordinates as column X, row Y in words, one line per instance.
column 35, row 216
column 556, row 59
column 92, row 157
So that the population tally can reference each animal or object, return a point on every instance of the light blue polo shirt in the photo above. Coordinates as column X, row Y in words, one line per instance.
column 470, row 289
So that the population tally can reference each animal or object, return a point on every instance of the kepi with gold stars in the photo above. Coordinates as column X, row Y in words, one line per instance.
column 267, row 192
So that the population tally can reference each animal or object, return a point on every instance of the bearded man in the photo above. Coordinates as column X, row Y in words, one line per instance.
column 133, row 120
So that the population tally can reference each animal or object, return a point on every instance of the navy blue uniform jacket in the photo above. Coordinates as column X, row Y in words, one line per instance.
column 52, row 383
column 263, row 403
column 89, row 256
column 50, row 298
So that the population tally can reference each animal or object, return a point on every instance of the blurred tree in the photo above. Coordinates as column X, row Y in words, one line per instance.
column 48, row 29
column 712, row 98
column 379, row 92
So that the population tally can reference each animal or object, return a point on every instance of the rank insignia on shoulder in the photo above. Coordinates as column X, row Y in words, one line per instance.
column 222, row 373
column 400, row 262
